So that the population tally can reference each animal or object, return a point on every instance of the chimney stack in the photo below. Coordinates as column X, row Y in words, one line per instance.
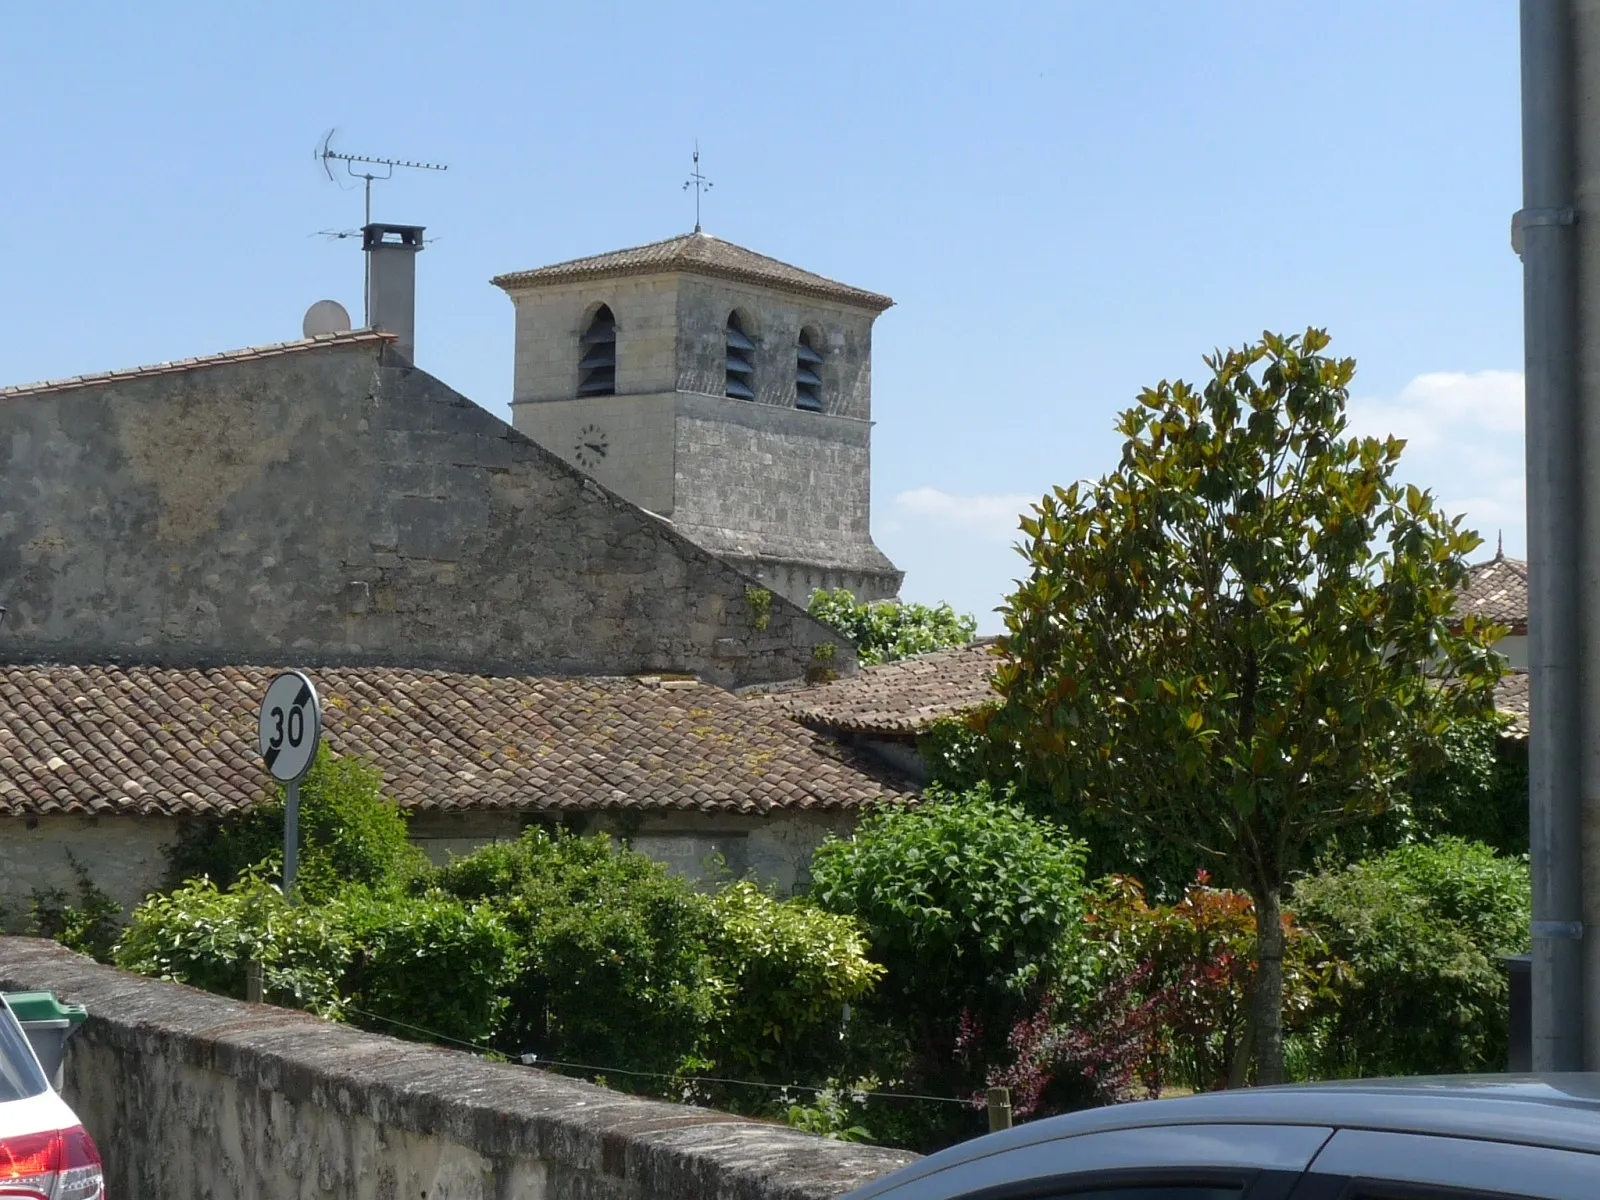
column 392, row 281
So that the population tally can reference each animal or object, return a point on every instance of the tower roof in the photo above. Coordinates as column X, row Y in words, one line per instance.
column 696, row 254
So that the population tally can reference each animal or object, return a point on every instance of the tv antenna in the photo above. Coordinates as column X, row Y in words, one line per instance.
column 365, row 168
column 369, row 169
column 699, row 183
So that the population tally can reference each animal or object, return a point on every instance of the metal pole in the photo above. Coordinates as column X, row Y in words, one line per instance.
column 1555, row 500
column 291, row 837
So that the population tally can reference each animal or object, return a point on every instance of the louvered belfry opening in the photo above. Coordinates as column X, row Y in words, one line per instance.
column 741, row 370
column 807, row 382
column 597, row 369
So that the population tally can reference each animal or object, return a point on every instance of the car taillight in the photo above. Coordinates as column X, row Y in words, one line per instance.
column 61, row 1165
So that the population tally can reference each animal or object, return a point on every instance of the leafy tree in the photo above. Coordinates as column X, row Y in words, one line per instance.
column 887, row 630
column 1244, row 636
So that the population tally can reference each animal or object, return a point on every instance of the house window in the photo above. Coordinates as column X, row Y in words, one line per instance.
column 741, row 370
column 807, row 382
column 597, row 364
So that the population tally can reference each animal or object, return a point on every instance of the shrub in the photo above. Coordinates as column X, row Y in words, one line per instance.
column 350, row 832
column 428, row 965
column 1196, row 961
column 1423, row 928
column 789, row 969
column 970, row 905
column 617, row 968
column 889, row 630
column 91, row 926
column 205, row 937
column 1108, row 1052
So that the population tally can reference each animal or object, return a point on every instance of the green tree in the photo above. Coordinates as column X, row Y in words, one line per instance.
column 1242, row 638
column 888, row 630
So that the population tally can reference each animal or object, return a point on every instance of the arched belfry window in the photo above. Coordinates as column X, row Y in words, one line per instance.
column 807, row 381
column 741, row 370
column 597, row 366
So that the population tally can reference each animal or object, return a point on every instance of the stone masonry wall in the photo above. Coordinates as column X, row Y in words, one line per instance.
column 755, row 481
column 124, row 856
column 335, row 505
column 193, row 1095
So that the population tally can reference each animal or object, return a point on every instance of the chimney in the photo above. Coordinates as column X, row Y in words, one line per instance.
column 392, row 281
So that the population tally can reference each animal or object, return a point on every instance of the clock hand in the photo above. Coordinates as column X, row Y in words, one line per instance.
column 597, row 449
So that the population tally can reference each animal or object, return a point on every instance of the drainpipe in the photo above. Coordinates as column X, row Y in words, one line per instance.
column 1544, row 234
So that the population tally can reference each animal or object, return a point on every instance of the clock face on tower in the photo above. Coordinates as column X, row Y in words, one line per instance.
column 591, row 446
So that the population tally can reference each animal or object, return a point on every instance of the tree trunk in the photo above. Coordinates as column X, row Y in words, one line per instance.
column 1267, row 1004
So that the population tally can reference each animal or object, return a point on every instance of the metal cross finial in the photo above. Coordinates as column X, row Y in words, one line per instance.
column 698, row 182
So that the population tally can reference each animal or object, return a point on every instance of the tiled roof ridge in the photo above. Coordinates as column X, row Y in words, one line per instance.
column 683, row 252
column 349, row 337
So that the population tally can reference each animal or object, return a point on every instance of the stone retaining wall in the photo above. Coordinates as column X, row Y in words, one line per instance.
column 194, row 1095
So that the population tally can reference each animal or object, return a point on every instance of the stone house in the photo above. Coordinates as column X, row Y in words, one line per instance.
column 168, row 532
column 112, row 763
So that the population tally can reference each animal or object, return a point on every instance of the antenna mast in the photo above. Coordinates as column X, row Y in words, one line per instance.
column 328, row 156
column 699, row 183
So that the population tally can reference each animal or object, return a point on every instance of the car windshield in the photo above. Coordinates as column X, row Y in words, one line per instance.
column 20, row 1076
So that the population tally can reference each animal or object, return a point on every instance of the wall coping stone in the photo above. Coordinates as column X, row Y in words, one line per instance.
column 629, row 1145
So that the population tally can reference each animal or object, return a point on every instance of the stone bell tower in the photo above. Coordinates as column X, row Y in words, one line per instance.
column 725, row 391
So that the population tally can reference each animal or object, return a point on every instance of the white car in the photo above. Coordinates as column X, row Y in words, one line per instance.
column 1462, row 1138
column 45, row 1152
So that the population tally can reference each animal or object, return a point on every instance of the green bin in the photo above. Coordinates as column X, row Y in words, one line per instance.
column 48, row 1024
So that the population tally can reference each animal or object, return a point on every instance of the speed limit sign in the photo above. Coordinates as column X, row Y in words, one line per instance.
column 291, row 726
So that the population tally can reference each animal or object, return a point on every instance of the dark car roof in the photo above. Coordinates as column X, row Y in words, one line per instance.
column 1558, row 1111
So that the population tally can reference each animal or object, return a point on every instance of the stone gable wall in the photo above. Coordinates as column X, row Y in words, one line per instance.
column 338, row 506
column 189, row 1094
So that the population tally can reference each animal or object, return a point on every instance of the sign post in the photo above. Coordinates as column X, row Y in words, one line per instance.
column 290, row 728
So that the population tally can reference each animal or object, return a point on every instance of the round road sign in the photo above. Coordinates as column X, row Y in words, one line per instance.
column 291, row 726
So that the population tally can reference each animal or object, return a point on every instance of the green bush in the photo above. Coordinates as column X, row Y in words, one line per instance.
column 203, row 936
column 617, row 968
column 972, row 907
column 91, row 926
column 1423, row 928
column 350, row 833
column 888, row 630
column 788, row 969
column 425, row 966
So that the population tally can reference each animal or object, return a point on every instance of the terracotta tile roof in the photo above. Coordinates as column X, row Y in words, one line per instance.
column 274, row 350
column 1498, row 590
column 1511, row 698
column 902, row 697
column 181, row 742
column 699, row 254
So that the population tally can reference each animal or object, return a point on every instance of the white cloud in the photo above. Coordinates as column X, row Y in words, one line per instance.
column 992, row 516
column 1463, row 434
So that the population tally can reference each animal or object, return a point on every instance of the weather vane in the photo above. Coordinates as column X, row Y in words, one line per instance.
column 698, row 182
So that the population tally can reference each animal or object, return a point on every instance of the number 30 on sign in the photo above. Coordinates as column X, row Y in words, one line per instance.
column 291, row 726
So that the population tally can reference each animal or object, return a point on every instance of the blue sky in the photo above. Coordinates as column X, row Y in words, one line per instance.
column 1068, row 202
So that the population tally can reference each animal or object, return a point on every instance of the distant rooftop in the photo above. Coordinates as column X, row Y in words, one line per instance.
column 1497, row 590
column 697, row 254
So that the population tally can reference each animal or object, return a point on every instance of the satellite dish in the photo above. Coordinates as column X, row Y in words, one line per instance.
column 325, row 316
